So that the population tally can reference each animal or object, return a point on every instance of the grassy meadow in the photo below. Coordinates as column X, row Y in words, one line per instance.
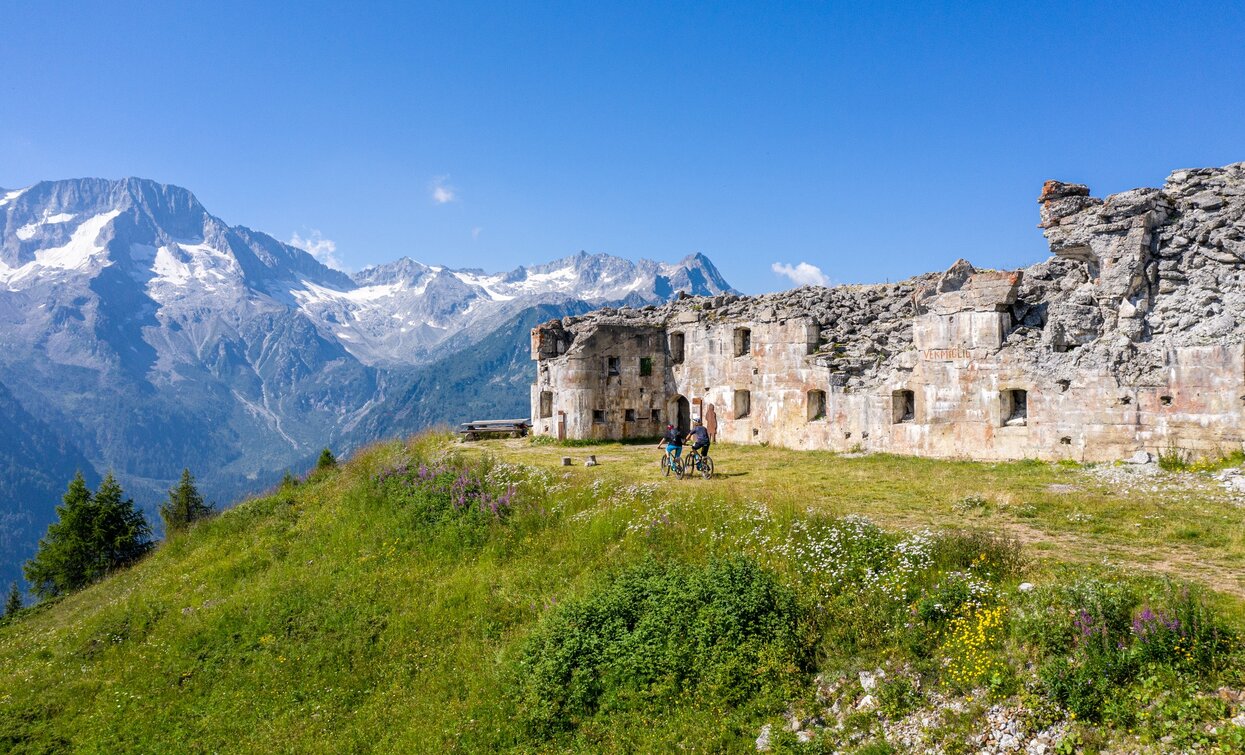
column 429, row 596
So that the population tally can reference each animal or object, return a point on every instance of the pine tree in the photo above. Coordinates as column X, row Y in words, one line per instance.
column 14, row 602
column 326, row 461
column 185, row 505
column 92, row 535
column 123, row 532
column 63, row 560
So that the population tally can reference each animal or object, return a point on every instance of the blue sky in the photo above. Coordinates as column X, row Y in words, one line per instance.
column 873, row 141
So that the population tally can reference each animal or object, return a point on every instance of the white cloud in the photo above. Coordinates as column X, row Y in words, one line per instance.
column 802, row 274
column 442, row 192
column 319, row 247
column 475, row 233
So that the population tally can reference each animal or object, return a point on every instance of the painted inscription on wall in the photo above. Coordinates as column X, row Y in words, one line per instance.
column 945, row 355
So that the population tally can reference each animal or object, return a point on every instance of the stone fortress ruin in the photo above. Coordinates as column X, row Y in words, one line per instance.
column 1130, row 338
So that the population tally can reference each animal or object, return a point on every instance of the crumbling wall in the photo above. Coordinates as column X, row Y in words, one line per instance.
column 1129, row 337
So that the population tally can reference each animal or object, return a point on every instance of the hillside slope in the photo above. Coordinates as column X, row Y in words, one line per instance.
column 421, row 600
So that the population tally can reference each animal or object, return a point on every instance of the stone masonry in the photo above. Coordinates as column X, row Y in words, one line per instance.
column 1130, row 338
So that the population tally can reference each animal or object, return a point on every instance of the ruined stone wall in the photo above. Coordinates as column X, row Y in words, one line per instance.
column 1131, row 337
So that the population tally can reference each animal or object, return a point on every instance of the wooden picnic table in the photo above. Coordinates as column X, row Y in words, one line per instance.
column 512, row 428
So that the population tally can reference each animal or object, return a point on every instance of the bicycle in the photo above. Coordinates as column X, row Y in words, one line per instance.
column 671, row 463
column 697, row 462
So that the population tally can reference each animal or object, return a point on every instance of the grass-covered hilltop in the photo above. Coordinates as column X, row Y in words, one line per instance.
column 427, row 596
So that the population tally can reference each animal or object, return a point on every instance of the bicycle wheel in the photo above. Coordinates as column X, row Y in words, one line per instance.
column 665, row 465
column 706, row 467
column 680, row 468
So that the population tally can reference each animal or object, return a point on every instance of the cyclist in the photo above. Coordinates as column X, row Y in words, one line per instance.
column 699, row 438
column 673, row 442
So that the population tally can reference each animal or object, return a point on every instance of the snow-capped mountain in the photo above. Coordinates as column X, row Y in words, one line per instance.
column 154, row 336
column 399, row 312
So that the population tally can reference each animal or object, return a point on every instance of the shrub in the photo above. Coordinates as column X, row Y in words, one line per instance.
column 987, row 554
column 898, row 697
column 726, row 632
column 1097, row 636
column 447, row 490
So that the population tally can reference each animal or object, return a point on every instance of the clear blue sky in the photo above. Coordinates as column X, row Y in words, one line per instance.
column 873, row 140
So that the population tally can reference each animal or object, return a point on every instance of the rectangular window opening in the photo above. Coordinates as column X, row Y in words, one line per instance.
column 657, row 415
column 743, row 404
column 903, row 406
column 816, row 405
column 676, row 348
column 743, row 341
column 1015, row 408
column 546, row 404
column 611, row 366
column 646, row 366
column 629, row 415
column 598, row 416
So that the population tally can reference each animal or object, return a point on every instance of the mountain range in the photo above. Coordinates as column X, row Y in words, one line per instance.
column 141, row 334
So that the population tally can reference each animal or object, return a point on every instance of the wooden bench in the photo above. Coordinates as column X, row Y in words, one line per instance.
column 485, row 428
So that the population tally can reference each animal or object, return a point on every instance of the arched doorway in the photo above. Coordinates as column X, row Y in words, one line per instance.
column 681, row 412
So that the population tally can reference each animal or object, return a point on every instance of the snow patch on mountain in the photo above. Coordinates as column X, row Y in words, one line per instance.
column 82, row 249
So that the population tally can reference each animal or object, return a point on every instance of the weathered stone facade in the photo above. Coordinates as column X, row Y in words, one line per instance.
column 1131, row 337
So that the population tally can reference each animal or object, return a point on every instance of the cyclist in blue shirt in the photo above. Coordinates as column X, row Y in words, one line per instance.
column 699, row 438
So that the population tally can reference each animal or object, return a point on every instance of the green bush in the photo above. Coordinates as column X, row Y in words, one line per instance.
column 898, row 697
column 1096, row 637
column 988, row 554
column 726, row 633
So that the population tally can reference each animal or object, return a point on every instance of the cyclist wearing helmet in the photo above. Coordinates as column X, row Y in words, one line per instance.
column 699, row 438
column 673, row 442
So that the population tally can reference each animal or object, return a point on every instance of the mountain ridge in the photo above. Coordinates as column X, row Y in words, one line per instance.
column 156, row 336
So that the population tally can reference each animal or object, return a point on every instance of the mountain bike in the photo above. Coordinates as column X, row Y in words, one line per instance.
column 699, row 463
column 671, row 463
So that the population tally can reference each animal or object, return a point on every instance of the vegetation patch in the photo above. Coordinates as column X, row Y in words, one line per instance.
column 722, row 635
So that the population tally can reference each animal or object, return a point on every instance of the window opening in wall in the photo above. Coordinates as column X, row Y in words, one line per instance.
column 646, row 366
column 546, row 404
column 1065, row 440
column 816, row 405
column 903, row 406
column 1063, row 385
column 676, row 348
column 1015, row 408
column 743, row 341
column 657, row 415
column 1126, row 400
column 598, row 416
column 1165, row 400
column 743, row 404
column 629, row 415
column 611, row 366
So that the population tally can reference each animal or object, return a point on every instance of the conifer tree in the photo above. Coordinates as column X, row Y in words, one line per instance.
column 14, row 602
column 326, row 461
column 92, row 534
column 63, row 560
column 185, row 505
column 123, row 532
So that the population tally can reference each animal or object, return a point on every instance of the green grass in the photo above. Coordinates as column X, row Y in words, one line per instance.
column 346, row 614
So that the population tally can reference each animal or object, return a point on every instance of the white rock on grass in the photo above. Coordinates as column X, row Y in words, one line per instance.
column 763, row 741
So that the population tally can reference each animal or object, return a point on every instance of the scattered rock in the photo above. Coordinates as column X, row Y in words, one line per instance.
column 763, row 741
